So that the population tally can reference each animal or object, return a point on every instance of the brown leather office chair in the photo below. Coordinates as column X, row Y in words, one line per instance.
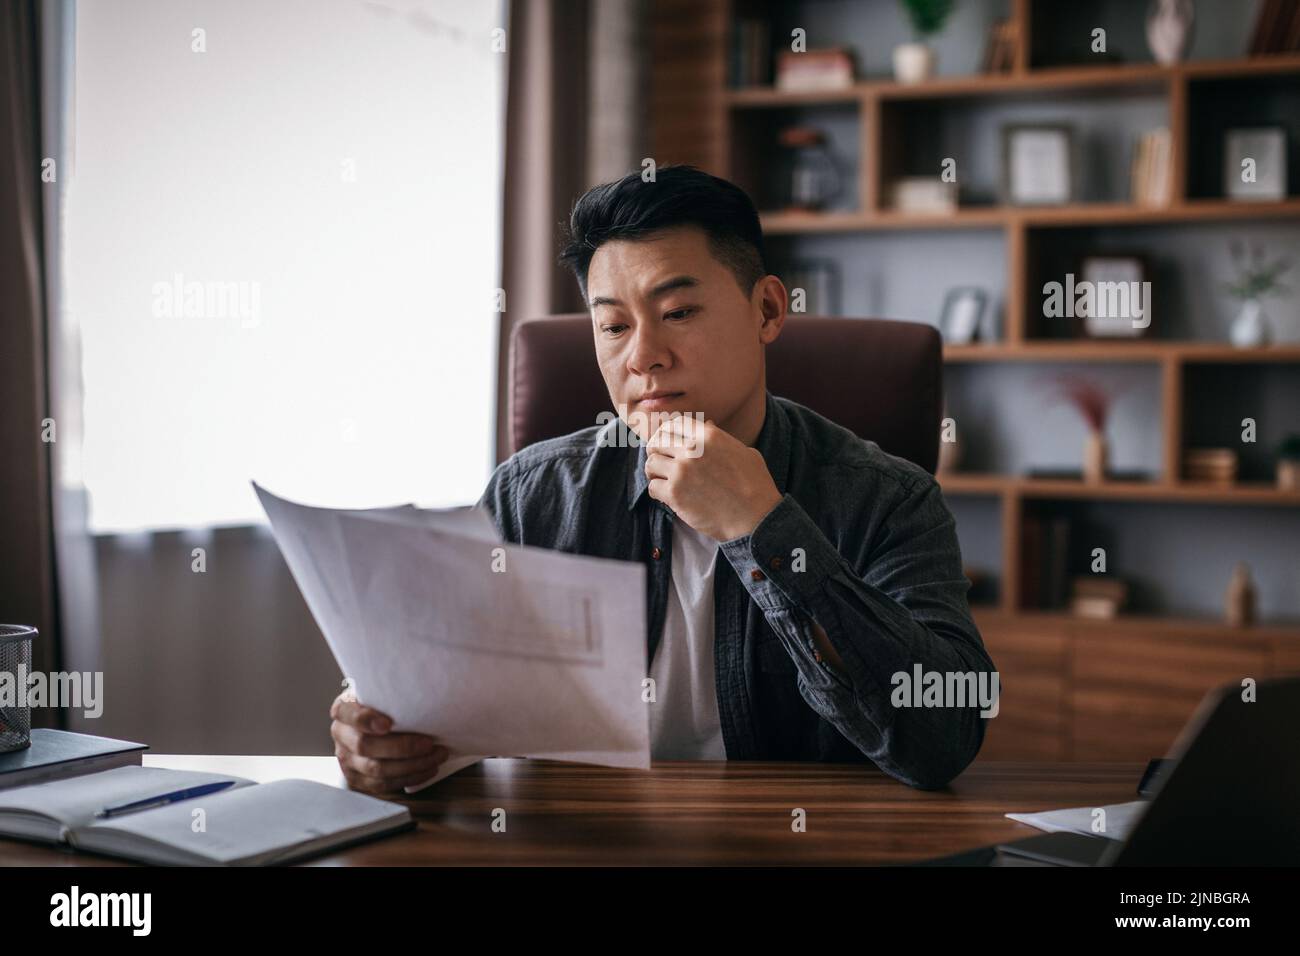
column 881, row 379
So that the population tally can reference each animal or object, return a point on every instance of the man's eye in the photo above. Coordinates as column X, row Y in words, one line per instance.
column 679, row 313
column 610, row 329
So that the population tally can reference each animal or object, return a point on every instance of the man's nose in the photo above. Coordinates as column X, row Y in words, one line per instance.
column 649, row 351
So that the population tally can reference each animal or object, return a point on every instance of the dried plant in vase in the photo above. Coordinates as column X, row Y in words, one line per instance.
column 1288, row 464
column 1093, row 404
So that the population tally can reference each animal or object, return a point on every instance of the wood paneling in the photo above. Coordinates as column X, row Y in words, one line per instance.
column 1078, row 689
column 688, row 64
column 1132, row 692
column 1032, row 721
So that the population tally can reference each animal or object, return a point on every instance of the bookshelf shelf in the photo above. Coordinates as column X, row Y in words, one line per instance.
column 1180, row 492
column 1179, row 626
column 1095, row 351
column 1056, row 80
column 1073, row 215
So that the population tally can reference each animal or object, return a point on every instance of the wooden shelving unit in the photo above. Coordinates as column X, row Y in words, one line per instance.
column 1069, row 699
column 1186, row 353
column 1238, row 493
column 990, row 217
column 1059, row 80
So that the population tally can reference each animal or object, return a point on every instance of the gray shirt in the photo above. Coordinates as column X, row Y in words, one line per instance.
column 862, row 542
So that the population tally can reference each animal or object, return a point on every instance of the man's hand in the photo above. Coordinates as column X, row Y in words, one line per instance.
column 712, row 481
column 374, row 760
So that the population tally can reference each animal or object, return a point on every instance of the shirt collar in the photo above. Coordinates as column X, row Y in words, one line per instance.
column 773, row 444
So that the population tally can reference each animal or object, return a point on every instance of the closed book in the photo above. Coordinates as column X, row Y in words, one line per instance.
column 1031, row 562
column 55, row 754
column 1056, row 562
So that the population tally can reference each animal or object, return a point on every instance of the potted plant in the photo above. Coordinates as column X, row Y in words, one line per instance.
column 1093, row 404
column 1288, row 464
column 914, row 62
column 1256, row 280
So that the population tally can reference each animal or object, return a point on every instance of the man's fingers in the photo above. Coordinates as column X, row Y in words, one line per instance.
column 657, row 465
column 378, row 768
column 673, row 438
column 375, row 785
column 387, row 746
column 385, row 786
column 360, row 716
column 338, row 703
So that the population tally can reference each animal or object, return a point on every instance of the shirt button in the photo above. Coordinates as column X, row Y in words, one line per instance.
column 756, row 575
column 656, row 554
column 775, row 564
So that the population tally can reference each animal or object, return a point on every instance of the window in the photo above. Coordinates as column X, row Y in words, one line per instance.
column 283, row 243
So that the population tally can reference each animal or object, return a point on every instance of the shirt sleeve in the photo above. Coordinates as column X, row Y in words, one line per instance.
column 500, row 500
column 893, row 605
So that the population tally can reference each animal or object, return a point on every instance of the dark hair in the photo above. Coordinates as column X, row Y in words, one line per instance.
column 680, row 195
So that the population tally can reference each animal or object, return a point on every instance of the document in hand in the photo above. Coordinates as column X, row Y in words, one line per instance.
column 493, row 648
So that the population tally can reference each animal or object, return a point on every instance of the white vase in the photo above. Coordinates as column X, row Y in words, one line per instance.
column 1250, row 327
column 1169, row 29
column 913, row 62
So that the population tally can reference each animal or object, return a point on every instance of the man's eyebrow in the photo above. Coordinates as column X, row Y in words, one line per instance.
column 663, row 288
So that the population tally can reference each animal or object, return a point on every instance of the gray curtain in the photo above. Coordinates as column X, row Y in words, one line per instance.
column 27, row 576
column 74, row 547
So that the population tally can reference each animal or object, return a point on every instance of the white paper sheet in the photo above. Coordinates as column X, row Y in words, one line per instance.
column 1120, row 819
column 544, row 659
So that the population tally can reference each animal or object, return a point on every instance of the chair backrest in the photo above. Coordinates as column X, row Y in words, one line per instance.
column 879, row 378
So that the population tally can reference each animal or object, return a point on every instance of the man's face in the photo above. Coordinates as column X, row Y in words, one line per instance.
column 671, row 321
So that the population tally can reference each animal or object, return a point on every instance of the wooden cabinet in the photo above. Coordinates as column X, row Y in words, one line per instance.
column 1075, row 689
column 1132, row 691
column 1032, row 721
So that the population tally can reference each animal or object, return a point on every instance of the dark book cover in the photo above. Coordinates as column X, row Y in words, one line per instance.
column 54, row 754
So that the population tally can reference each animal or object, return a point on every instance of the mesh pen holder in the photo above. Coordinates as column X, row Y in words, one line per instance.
column 15, row 668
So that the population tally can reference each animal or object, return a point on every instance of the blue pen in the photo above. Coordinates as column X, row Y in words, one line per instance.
column 160, row 801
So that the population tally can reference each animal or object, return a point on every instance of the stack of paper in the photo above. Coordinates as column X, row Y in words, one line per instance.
column 493, row 648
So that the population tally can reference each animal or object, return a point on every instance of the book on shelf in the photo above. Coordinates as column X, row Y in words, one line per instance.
column 1000, row 48
column 1044, row 561
column 751, row 51
column 832, row 68
column 1277, row 28
column 923, row 194
column 1097, row 596
column 1152, row 179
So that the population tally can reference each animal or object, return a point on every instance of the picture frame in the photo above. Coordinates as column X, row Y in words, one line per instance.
column 1038, row 164
column 1112, row 268
column 1267, row 147
column 962, row 318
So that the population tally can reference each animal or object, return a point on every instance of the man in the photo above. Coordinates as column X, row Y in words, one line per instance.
column 797, row 574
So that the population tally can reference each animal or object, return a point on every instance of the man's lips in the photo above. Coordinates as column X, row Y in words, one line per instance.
column 658, row 399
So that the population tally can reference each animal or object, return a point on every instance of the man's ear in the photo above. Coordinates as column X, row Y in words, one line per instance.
column 772, row 300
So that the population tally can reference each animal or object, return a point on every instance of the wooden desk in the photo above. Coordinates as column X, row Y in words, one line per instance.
column 684, row 812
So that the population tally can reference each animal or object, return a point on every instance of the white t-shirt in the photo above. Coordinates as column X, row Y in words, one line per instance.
column 684, row 722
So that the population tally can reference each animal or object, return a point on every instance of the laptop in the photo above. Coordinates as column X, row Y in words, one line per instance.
column 1229, row 795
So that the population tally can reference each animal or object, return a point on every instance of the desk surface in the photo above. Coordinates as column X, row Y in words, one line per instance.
column 683, row 812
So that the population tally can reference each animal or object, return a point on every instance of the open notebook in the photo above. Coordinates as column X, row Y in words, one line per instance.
column 249, row 824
